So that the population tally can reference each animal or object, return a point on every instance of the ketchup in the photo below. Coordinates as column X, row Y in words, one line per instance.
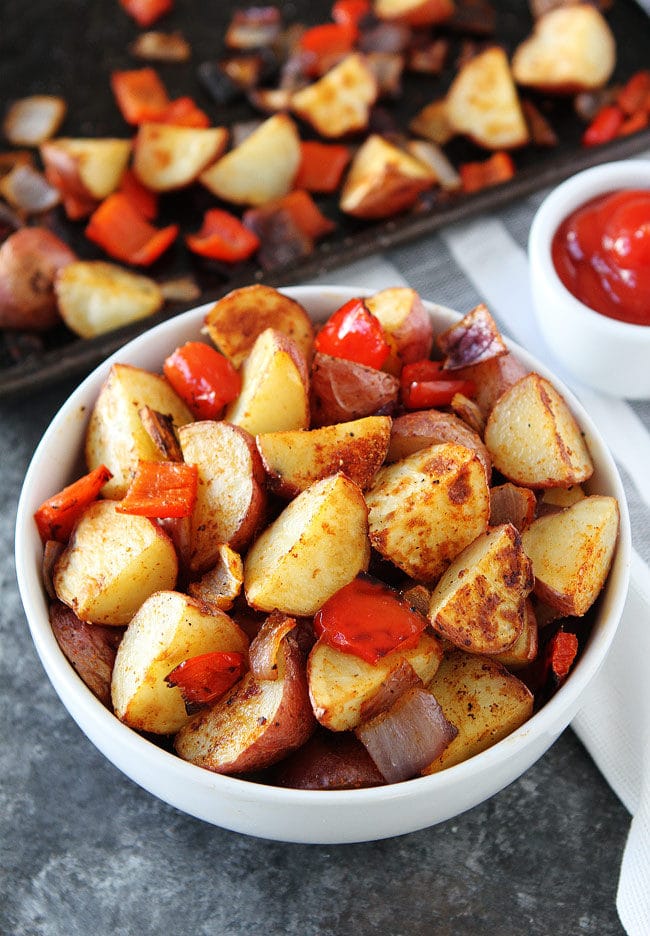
column 602, row 255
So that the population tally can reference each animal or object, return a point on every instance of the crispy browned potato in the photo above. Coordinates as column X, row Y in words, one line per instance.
column 407, row 325
column 89, row 648
column 91, row 168
column 168, row 157
column 482, row 102
column 339, row 103
column 344, row 689
column 236, row 320
column 415, row 431
column 492, row 378
column 524, row 649
column 344, row 390
column 95, row 297
column 328, row 761
column 482, row 699
column 572, row 552
column 112, row 563
column 571, row 49
column 293, row 460
column 231, row 501
column 115, row 436
column 383, row 180
column 259, row 169
column 317, row 545
column 424, row 509
column 256, row 724
column 169, row 628
column 275, row 387
column 29, row 261
column 533, row 438
column 415, row 12
column 479, row 603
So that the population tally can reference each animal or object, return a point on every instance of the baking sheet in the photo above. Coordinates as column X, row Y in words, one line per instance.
column 71, row 47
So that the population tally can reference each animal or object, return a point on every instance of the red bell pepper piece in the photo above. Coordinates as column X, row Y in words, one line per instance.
column 355, row 334
column 561, row 652
column 424, row 385
column 140, row 94
column 322, row 46
column 56, row 516
column 479, row 175
column 634, row 123
column 142, row 198
column 604, row 127
column 368, row 619
column 350, row 11
column 146, row 12
column 634, row 96
column 160, row 490
column 203, row 377
column 223, row 237
column 183, row 112
column 206, row 677
column 119, row 228
column 321, row 166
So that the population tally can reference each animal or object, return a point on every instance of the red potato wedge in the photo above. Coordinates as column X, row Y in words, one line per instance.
column 344, row 390
column 512, row 504
column 432, row 123
column 261, row 168
column 413, row 432
column 317, row 545
column 339, row 103
column 483, row 104
column 89, row 648
column 344, row 688
column 492, row 378
column 116, row 436
column 88, row 168
column 29, row 261
column 524, row 649
column 415, row 12
column 482, row 699
column 533, row 438
column 236, row 320
column 474, row 339
column 95, row 297
column 231, row 500
column 168, row 157
column 328, row 761
column 112, row 564
column 257, row 724
column 425, row 509
column 479, row 603
column 169, row 628
column 407, row 325
column 295, row 460
column 571, row 49
column 275, row 387
column 383, row 180
column 221, row 584
column 572, row 551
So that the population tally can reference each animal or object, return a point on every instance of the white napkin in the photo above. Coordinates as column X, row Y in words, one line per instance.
column 614, row 724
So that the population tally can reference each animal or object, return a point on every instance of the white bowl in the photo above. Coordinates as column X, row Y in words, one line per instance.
column 603, row 353
column 265, row 811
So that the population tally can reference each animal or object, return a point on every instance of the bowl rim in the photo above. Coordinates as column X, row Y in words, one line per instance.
column 555, row 207
column 97, row 722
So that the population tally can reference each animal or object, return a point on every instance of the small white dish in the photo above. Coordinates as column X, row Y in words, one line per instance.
column 601, row 352
column 307, row 816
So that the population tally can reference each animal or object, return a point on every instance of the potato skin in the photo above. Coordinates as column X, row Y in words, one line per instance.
column 328, row 761
column 29, row 261
column 89, row 648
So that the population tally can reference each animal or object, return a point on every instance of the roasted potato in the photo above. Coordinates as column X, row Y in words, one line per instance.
column 169, row 628
column 492, row 377
column 116, row 436
column 89, row 648
column 415, row 431
column 317, row 545
column 328, row 761
column 168, row 157
column 231, row 500
column 533, row 438
column 257, row 724
column 415, row 12
column 344, row 390
column 112, row 563
column 482, row 699
column 571, row 552
column 339, row 103
column 235, row 321
column 29, row 261
column 479, row 603
column 91, row 169
column 407, row 325
column 424, row 509
column 295, row 460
